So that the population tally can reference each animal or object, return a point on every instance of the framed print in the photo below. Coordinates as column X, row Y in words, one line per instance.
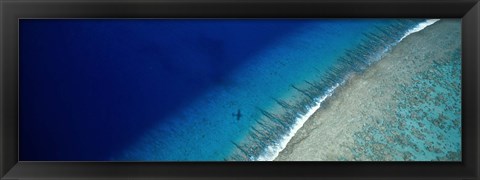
column 270, row 89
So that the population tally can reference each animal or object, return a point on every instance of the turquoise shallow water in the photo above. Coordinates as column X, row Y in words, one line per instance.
column 423, row 123
column 427, row 125
column 281, row 82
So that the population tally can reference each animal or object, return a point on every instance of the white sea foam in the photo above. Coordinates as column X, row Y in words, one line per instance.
column 272, row 151
column 419, row 27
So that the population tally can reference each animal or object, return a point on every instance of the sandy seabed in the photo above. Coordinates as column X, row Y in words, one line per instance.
column 405, row 107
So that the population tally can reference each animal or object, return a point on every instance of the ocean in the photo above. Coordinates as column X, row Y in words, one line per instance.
column 404, row 107
column 188, row 89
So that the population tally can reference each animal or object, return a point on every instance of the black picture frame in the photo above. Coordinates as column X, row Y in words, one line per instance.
column 12, row 10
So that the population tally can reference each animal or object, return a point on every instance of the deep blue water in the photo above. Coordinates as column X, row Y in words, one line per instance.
column 93, row 90
column 91, row 87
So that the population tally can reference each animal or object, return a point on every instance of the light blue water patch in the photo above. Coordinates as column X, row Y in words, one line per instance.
column 427, row 121
column 216, row 124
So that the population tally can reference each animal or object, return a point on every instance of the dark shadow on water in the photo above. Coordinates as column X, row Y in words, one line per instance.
column 91, row 88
